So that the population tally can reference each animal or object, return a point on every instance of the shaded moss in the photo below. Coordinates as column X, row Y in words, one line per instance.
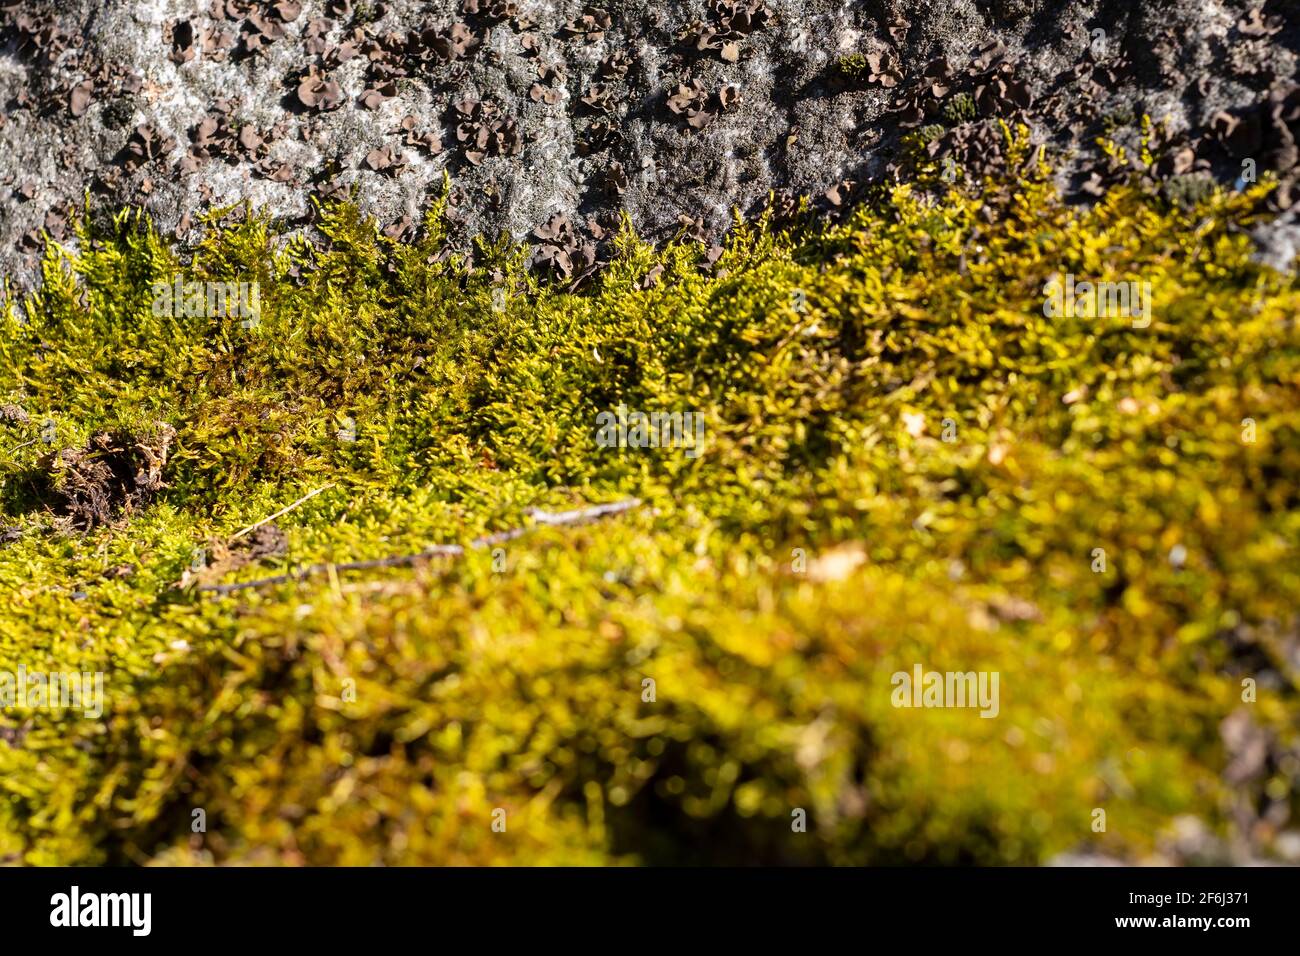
column 852, row 66
column 1189, row 189
column 960, row 108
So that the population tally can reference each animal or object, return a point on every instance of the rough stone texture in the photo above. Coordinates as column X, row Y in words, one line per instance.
column 103, row 95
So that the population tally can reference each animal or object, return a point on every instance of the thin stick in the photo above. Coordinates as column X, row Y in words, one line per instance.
column 582, row 514
column 282, row 511
column 542, row 518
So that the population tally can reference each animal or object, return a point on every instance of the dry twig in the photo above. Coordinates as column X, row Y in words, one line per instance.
column 551, row 519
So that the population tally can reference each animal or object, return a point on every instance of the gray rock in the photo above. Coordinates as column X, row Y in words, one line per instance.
column 1279, row 240
column 70, row 117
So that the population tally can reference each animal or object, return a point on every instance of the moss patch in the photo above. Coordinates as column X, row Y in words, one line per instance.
column 906, row 462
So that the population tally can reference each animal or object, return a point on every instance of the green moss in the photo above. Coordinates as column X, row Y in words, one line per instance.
column 1189, row 189
column 929, row 133
column 852, row 66
column 959, row 108
column 1122, row 117
column 118, row 112
column 829, row 536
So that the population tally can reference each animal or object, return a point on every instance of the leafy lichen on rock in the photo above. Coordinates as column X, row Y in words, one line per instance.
column 123, row 97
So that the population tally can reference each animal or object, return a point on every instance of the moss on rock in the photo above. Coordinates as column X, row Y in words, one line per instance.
column 905, row 462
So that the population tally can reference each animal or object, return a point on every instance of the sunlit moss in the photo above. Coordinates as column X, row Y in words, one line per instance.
column 906, row 463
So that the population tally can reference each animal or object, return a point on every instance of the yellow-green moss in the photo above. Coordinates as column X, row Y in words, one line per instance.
column 825, row 363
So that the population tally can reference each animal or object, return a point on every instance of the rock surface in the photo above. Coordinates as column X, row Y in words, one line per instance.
column 553, row 117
